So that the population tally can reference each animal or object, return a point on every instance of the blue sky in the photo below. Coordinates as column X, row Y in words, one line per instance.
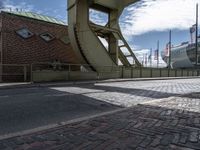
column 142, row 23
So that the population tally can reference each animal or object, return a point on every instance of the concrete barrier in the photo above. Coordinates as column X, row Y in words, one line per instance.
column 127, row 72
column 185, row 73
column 172, row 73
column 109, row 75
column 124, row 72
column 136, row 73
column 179, row 73
column 156, row 72
column 164, row 72
column 146, row 73
column 49, row 75
column 77, row 75
column 190, row 73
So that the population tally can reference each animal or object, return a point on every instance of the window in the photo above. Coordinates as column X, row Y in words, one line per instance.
column 47, row 37
column 25, row 33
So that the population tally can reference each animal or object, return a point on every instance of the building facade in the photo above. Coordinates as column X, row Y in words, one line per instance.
column 27, row 38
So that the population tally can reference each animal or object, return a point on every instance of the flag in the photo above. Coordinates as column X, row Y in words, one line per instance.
column 193, row 28
column 146, row 59
column 150, row 56
column 156, row 55
column 167, row 49
column 193, row 33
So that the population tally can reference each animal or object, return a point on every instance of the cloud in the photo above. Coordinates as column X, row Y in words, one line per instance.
column 9, row 5
column 158, row 15
column 98, row 17
column 1, row 4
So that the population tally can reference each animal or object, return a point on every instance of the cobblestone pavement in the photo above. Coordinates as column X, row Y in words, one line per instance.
column 168, row 124
column 131, row 93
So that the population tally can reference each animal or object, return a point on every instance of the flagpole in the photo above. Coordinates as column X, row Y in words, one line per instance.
column 196, row 42
column 158, row 47
column 151, row 57
column 170, row 46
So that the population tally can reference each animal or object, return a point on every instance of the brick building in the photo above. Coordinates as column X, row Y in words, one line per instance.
column 27, row 37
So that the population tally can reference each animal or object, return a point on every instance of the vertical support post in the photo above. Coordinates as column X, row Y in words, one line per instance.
column 170, row 47
column 25, row 73
column 131, row 72
column 169, row 72
column 69, row 72
column 151, row 58
column 160, row 72
column 176, row 73
column 122, row 72
column 140, row 72
column 1, row 52
column 196, row 42
column 1, row 72
column 31, row 71
column 158, row 49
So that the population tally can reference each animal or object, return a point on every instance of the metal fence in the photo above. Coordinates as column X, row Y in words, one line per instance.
column 14, row 73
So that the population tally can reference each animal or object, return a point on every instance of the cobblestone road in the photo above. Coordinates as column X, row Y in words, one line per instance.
column 166, row 124
column 131, row 93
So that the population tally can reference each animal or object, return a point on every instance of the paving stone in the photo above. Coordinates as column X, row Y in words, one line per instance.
column 145, row 142
column 167, row 124
column 193, row 137
column 176, row 138
column 166, row 139
column 183, row 138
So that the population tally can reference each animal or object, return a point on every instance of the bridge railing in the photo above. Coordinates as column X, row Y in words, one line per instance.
column 41, row 72
column 15, row 73
column 69, row 72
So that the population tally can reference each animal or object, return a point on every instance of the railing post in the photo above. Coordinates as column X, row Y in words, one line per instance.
column 131, row 72
column 122, row 72
column 160, row 72
column 169, row 72
column 69, row 73
column 1, row 72
column 176, row 73
column 31, row 71
column 140, row 72
column 25, row 73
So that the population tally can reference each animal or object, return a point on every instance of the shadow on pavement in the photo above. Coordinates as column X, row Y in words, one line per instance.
column 145, row 127
column 23, row 109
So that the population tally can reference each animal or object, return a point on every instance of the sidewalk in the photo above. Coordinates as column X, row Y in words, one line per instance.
column 166, row 124
column 68, row 83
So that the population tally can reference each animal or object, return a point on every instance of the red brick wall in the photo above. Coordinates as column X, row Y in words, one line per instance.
column 17, row 50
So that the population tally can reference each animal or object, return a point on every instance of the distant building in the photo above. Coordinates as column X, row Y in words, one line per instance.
column 27, row 38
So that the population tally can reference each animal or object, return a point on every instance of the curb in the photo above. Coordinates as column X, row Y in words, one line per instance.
column 34, row 85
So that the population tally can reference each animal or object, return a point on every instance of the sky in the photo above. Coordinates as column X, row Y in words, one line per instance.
column 142, row 24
